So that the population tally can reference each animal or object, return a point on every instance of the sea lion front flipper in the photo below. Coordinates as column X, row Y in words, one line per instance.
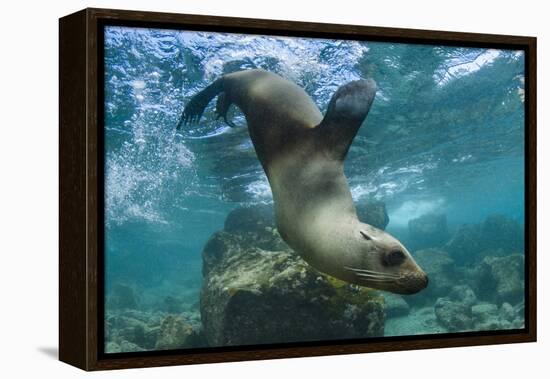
column 222, row 107
column 195, row 108
column 346, row 111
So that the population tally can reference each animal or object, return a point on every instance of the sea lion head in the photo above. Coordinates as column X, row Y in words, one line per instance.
column 382, row 262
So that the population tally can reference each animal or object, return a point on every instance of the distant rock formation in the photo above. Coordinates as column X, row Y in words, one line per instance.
column 465, row 244
column 133, row 330
column 429, row 230
column 497, row 235
column 374, row 213
column 122, row 296
column 501, row 279
column 441, row 271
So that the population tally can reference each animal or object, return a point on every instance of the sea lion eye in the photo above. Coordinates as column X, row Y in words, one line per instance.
column 393, row 258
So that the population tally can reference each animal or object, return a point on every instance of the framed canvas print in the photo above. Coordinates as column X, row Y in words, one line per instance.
column 235, row 189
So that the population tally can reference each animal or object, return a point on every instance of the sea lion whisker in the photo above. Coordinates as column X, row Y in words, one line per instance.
column 374, row 280
column 379, row 277
column 370, row 272
column 377, row 273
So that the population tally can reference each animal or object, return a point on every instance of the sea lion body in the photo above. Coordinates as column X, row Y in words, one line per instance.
column 303, row 154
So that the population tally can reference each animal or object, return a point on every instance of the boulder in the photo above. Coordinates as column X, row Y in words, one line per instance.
column 497, row 235
column 256, row 222
column 428, row 230
column 484, row 312
column 129, row 347
column 465, row 244
column 172, row 304
column 440, row 268
column 249, row 219
column 121, row 296
column 454, row 316
column 133, row 326
column 500, row 233
column 488, row 316
column 373, row 213
column 501, row 279
column 519, row 320
column 463, row 294
column 419, row 321
column 137, row 332
column 507, row 312
column 174, row 333
column 255, row 296
column 112, row 347
column 395, row 305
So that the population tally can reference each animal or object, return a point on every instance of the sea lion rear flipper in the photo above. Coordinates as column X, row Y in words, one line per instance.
column 195, row 108
column 346, row 111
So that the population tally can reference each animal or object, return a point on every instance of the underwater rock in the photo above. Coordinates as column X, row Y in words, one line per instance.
column 112, row 347
column 484, row 312
column 428, row 230
column 197, row 338
column 418, row 321
column 500, row 233
column 507, row 312
column 173, row 334
column 249, row 219
column 465, row 245
column 373, row 213
column 152, row 330
column 497, row 235
column 222, row 242
column 215, row 249
column 440, row 268
column 454, row 312
column 463, row 294
column 488, row 316
column 254, row 296
column 520, row 314
column 172, row 304
column 454, row 316
column 257, row 221
column 395, row 305
column 134, row 314
column 131, row 327
column 129, row 347
column 134, row 331
column 122, row 296
column 500, row 279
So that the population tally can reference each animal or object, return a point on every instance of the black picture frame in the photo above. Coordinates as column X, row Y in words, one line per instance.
column 81, row 188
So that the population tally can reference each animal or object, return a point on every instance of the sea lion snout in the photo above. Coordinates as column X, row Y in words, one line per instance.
column 413, row 282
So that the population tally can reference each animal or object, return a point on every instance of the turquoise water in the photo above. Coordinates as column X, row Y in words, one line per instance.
column 444, row 137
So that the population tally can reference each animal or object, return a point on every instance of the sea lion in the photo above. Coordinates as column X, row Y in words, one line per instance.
column 302, row 154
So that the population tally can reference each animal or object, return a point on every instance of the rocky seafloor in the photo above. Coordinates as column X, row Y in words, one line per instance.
column 256, row 290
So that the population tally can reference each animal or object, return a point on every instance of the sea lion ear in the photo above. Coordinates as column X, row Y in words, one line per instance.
column 365, row 235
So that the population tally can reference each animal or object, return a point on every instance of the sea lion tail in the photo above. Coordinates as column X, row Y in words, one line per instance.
column 195, row 108
column 346, row 111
